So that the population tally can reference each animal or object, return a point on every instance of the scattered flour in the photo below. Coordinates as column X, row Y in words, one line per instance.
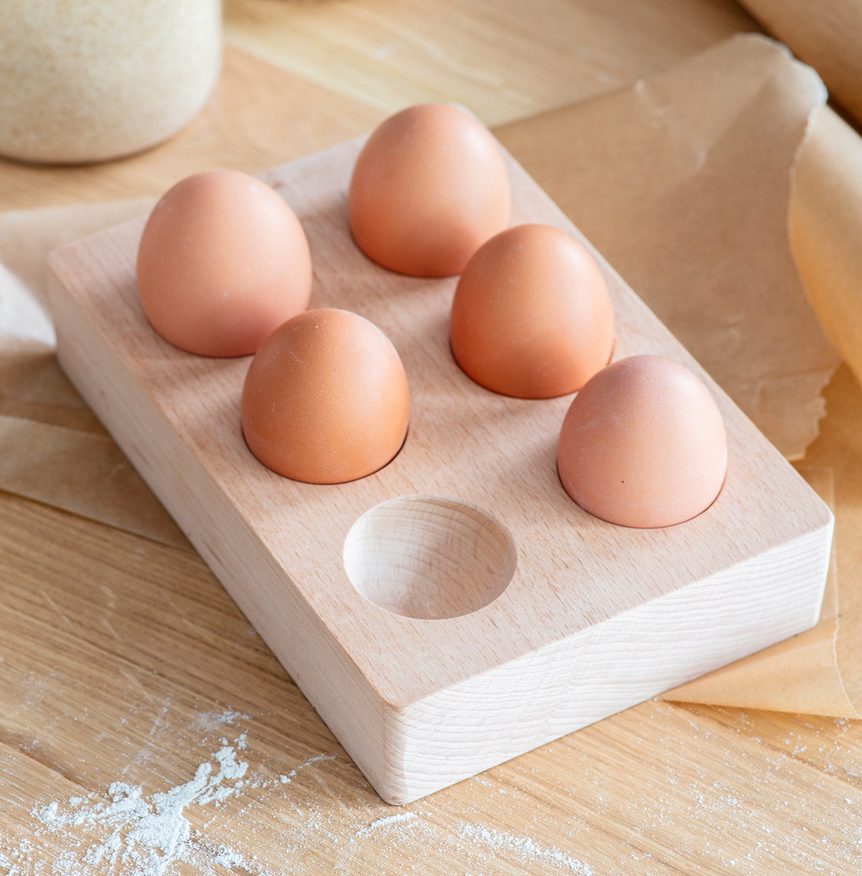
column 524, row 847
column 128, row 833
column 209, row 721
column 284, row 779
column 138, row 834
column 388, row 821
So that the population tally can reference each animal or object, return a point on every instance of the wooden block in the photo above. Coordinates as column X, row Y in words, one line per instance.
column 495, row 615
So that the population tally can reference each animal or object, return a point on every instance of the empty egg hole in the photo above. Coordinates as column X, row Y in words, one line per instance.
column 429, row 557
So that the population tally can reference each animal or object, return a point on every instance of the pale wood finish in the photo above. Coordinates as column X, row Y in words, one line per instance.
column 503, row 60
column 596, row 618
column 120, row 656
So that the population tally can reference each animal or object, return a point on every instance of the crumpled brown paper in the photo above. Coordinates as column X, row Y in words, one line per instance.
column 52, row 448
column 647, row 173
column 81, row 472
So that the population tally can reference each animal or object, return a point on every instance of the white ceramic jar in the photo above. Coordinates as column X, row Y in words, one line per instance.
column 89, row 80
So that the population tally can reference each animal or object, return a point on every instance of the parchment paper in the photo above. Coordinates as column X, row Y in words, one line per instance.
column 682, row 180
column 52, row 448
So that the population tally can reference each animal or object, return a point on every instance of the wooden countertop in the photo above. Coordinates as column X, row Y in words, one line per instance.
column 124, row 665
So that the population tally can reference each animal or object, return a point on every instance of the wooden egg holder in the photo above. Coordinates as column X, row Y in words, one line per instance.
column 378, row 596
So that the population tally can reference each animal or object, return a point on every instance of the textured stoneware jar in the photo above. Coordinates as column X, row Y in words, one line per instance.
column 90, row 80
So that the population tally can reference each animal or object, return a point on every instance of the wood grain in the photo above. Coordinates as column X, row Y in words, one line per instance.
column 595, row 618
column 483, row 54
column 657, row 789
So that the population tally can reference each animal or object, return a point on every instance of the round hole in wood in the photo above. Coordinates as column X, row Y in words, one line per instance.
column 429, row 557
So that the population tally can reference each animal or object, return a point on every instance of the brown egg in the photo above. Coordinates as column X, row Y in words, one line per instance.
column 643, row 444
column 222, row 261
column 325, row 399
column 532, row 316
column 428, row 189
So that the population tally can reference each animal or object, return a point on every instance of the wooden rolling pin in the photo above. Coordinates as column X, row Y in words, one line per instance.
column 826, row 34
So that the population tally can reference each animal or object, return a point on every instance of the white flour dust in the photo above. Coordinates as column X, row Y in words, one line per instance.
column 524, row 847
column 129, row 833
column 126, row 830
column 387, row 821
column 209, row 721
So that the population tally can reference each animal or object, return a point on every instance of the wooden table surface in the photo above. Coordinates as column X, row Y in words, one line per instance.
column 128, row 678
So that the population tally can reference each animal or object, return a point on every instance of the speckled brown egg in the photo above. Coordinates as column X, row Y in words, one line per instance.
column 325, row 399
column 643, row 444
column 222, row 261
column 531, row 316
column 428, row 189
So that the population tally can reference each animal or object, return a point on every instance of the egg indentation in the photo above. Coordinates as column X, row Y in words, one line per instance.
column 429, row 557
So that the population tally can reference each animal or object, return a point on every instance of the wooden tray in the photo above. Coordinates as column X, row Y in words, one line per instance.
column 560, row 619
